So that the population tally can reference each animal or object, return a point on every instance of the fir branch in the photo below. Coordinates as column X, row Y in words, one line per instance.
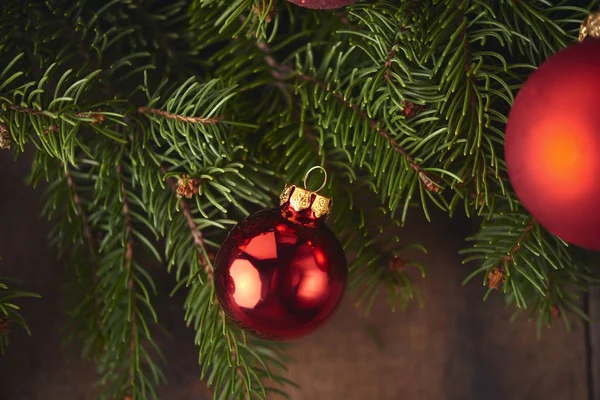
column 181, row 118
column 127, row 364
column 509, row 257
column 461, row 25
column 426, row 178
column 389, row 61
column 251, row 18
column 58, row 20
column 10, row 312
column 537, row 270
column 171, row 122
column 87, row 229
column 167, row 26
column 133, row 344
column 89, row 238
column 67, row 205
column 538, row 29
column 91, row 117
column 194, row 230
column 31, row 110
column 238, row 368
column 279, row 71
column 25, row 110
column 477, row 82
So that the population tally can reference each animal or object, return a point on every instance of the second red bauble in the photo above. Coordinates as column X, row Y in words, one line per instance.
column 322, row 4
column 552, row 144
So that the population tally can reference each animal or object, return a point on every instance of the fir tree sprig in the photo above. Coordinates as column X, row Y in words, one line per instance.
column 536, row 271
column 10, row 313
column 68, row 206
column 538, row 29
column 258, row 18
column 53, row 120
column 398, row 174
column 127, row 365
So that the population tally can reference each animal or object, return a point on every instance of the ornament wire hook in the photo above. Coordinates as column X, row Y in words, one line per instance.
column 311, row 170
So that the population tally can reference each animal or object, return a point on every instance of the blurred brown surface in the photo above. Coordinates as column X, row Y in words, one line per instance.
column 456, row 347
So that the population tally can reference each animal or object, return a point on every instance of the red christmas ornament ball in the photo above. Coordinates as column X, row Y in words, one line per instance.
column 322, row 4
column 280, row 273
column 552, row 144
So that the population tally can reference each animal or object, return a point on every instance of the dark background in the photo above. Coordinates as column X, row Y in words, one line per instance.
column 455, row 347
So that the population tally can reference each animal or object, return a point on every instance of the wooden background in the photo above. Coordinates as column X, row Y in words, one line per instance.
column 455, row 347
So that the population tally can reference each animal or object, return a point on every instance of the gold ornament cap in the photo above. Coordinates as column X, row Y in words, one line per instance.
column 302, row 199
column 590, row 27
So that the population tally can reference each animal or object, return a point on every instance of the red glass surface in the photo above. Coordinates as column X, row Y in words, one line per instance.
column 552, row 144
column 280, row 274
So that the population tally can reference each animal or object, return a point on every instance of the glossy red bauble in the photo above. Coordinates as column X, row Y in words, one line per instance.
column 322, row 4
column 552, row 144
column 279, row 276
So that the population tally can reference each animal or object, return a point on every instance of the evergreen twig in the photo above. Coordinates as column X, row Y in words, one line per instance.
column 89, row 238
column 182, row 118
column 423, row 175
column 194, row 230
column 10, row 312
column 133, row 340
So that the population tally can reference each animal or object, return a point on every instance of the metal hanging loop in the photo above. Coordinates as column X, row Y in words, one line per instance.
column 311, row 170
